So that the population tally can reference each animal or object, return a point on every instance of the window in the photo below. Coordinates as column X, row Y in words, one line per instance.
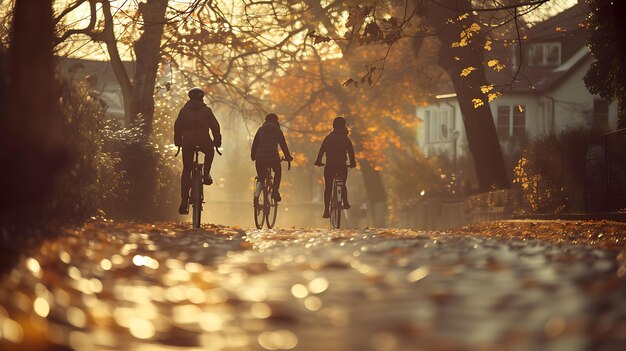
column 600, row 114
column 434, row 124
column 439, row 124
column 544, row 54
column 511, row 121
column 427, row 126
column 443, row 125
column 514, row 57
column 519, row 121
column 503, row 121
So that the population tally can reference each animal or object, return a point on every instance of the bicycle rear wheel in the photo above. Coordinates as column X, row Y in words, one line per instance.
column 259, row 209
column 196, row 199
column 272, row 207
column 335, row 205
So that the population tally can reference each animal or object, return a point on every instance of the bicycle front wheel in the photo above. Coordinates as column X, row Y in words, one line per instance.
column 335, row 206
column 272, row 209
column 196, row 198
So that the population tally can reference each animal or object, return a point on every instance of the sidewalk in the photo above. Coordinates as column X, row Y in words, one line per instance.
column 603, row 234
column 610, row 216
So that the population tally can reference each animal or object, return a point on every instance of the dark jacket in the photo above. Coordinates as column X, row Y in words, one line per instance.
column 336, row 146
column 265, row 144
column 193, row 123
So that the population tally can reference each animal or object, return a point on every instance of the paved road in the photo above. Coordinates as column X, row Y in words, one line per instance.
column 123, row 286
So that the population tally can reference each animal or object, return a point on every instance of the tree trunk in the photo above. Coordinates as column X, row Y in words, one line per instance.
column 148, row 54
column 31, row 142
column 479, row 124
column 616, row 17
column 374, row 188
column 108, row 37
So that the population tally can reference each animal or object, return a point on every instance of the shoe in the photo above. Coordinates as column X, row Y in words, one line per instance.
column 326, row 214
column 276, row 196
column 255, row 201
column 184, row 207
column 207, row 179
column 346, row 205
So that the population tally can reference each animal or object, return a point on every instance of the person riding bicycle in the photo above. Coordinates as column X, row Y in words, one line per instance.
column 191, row 129
column 265, row 151
column 336, row 146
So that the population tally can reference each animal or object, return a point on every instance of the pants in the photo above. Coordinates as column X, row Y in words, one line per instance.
column 185, row 177
column 261, row 170
column 329, row 174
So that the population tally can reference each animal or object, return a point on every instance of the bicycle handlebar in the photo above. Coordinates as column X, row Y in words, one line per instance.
column 216, row 149
column 323, row 164
column 288, row 163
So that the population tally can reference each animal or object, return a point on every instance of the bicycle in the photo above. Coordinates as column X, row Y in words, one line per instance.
column 265, row 206
column 336, row 199
column 197, row 186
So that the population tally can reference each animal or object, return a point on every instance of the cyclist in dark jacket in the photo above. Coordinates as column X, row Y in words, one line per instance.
column 336, row 146
column 191, row 129
column 265, row 151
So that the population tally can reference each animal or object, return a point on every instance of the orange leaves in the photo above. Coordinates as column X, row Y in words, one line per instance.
column 466, row 35
column 372, row 33
column 493, row 95
column 466, row 71
column 487, row 45
column 357, row 15
column 348, row 82
column 312, row 93
column 486, row 88
column 367, row 77
column 367, row 27
column 477, row 102
column 318, row 38
column 496, row 65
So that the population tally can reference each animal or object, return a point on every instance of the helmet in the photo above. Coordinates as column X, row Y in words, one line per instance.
column 272, row 117
column 339, row 123
column 196, row 92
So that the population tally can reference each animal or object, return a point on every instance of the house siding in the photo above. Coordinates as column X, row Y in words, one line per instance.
column 567, row 105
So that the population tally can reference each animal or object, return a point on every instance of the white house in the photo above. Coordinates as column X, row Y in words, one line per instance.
column 100, row 76
column 547, row 96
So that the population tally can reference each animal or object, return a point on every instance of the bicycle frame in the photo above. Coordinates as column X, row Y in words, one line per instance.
column 336, row 201
column 197, row 189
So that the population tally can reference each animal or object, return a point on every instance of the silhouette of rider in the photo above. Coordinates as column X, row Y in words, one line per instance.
column 265, row 151
column 191, row 129
column 336, row 146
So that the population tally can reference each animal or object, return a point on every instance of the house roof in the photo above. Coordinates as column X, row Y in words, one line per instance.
column 103, row 80
column 537, row 79
column 565, row 22
column 102, row 70
column 567, row 26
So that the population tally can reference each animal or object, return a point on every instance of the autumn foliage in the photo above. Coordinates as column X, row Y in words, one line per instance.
column 379, row 115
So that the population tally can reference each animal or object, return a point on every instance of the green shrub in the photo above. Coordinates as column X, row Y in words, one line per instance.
column 550, row 173
column 146, row 186
column 411, row 178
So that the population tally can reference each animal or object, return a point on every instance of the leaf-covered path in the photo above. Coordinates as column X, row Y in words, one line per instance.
column 498, row 286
